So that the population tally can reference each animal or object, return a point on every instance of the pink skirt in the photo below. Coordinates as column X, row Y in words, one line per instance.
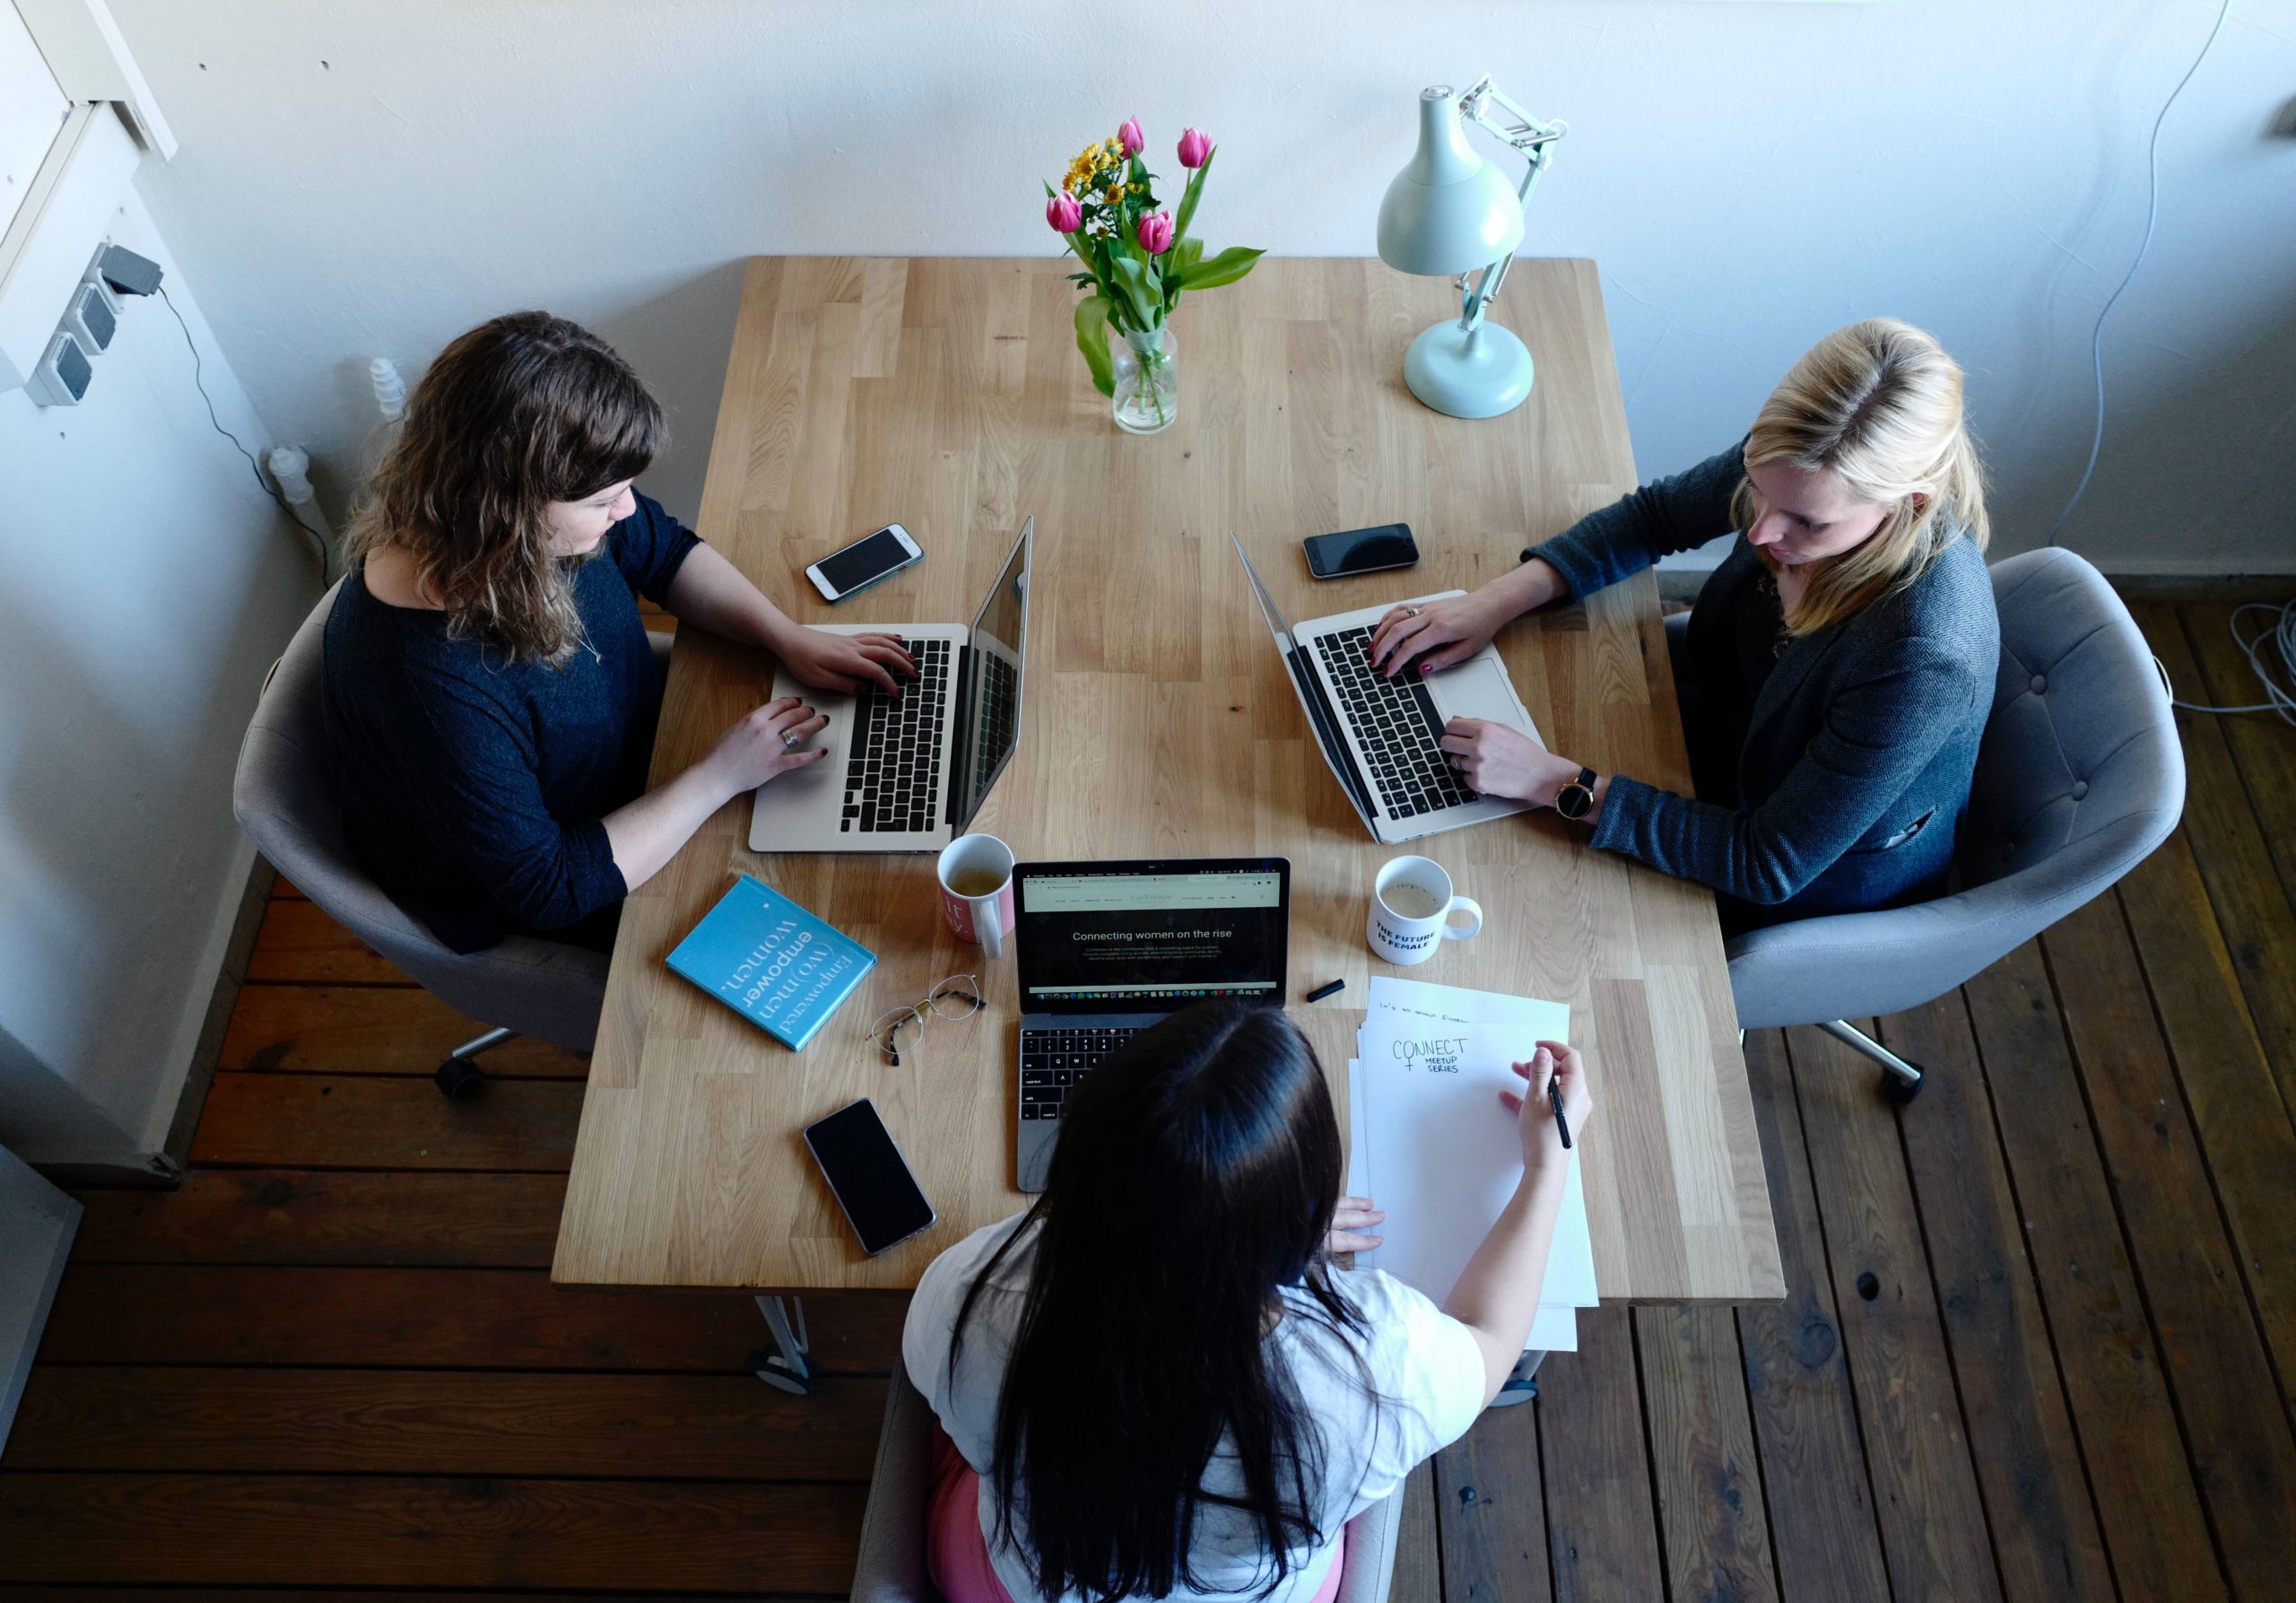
column 956, row 1553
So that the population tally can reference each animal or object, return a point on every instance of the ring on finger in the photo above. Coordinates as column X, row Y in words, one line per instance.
column 1411, row 611
column 791, row 740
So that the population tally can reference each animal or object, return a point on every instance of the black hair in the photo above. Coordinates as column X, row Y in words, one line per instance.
column 1197, row 1176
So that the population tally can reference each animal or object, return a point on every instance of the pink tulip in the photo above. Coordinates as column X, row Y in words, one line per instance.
column 1131, row 136
column 1156, row 232
column 1063, row 212
column 1195, row 149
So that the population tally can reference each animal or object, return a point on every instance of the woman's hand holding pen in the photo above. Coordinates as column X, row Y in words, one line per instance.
column 1553, row 1066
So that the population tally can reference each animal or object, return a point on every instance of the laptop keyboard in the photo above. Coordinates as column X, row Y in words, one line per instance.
column 1395, row 722
column 893, row 775
column 1054, row 1061
column 1000, row 701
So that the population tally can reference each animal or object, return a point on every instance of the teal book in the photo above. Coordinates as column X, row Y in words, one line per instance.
column 772, row 962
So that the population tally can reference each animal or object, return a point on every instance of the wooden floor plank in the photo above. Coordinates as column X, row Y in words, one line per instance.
column 1925, row 1492
column 1825, row 1536
column 1602, row 1530
column 2248, row 1144
column 2263, row 747
column 1491, row 1513
column 2239, row 1442
column 381, row 1530
column 373, row 1030
column 433, row 1318
column 2147, row 1507
column 2028, row 1466
column 417, row 1422
column 1710, row 1506
column 2228, row 845
column 1418, row 1575
column 416, row 1219
column 321, row 1121
column 298, row 942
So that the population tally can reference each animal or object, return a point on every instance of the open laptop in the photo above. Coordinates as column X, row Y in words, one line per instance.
column 1380, row 735
column 907, row 772
column 1108, row 948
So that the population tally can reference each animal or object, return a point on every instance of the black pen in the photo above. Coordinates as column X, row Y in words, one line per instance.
column 1554, row 1095
column 1321, row 991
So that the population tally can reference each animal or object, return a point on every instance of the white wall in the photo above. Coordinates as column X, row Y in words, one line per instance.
column 148, row 584
column 370, row 179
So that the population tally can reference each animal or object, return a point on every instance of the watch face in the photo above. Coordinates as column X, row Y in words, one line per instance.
column 1574, row 800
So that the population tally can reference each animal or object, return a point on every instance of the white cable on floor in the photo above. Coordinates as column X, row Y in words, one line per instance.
column 2281, row 635
column 2152, row 215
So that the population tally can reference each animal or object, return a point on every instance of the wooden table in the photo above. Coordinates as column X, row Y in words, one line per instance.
column 1158, row 722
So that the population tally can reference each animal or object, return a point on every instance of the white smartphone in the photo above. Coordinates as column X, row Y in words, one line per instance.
column 855, row 568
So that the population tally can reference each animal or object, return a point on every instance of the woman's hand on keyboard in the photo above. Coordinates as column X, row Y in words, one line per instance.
column 828, row 661
column 1437, row 632
column 766, row 742
column 1497, row 761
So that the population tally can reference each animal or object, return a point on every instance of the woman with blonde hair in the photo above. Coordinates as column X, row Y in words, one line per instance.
column 1839, row 665
column 487, row 689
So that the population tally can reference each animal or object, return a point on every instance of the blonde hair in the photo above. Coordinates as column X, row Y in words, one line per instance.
column 1877, row 405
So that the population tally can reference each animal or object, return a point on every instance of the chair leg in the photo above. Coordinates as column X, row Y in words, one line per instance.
column 786, row 1366
column 1902, row 1082
column 459, row 1077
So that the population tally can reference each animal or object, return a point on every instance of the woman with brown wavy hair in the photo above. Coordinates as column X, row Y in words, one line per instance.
column 489, row 690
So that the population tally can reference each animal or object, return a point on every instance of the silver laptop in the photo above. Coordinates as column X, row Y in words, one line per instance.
column 907, row 772
column 1106, row 949
column 1380, row 734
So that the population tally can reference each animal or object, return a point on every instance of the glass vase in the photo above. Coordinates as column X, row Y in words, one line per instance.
column 1147, row 381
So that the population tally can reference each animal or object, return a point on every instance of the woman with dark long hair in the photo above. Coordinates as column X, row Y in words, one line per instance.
column 1155, row 1382
column 488, row 692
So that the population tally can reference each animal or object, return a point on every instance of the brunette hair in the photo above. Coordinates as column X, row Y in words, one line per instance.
column 1878, row 404
column 1197, row 1176
column 521, row 411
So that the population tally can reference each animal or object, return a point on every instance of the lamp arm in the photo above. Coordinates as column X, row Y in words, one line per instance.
column 1486, row 290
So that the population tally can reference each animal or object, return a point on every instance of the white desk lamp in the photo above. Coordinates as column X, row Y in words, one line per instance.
column 1451, row 211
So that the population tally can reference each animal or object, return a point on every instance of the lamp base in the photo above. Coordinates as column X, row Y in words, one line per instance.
column 1479, row 372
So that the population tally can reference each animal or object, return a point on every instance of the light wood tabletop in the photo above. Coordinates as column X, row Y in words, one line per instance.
column 947, row 395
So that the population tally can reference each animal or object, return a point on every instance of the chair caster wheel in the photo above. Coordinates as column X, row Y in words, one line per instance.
column 460, row 1079
column 1897, row 1088
column 774, row 1370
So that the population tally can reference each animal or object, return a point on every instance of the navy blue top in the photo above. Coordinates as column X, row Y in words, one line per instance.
column 1832, row 770
column 472, row 788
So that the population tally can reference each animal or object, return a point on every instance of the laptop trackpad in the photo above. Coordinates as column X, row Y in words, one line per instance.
column 1478, row 688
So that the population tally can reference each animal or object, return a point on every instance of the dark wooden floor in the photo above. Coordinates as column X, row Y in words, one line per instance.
column 2039, row 1338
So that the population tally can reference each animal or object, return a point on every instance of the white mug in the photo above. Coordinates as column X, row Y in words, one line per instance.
column 1412, row 904
column 976, row 873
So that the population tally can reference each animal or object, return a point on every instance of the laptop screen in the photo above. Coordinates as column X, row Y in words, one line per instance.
column 989, row 722
column 1115, row 936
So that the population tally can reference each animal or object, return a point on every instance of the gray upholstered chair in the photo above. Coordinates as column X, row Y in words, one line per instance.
column 525, row 985
column 891, row 1565
column 2080, row 776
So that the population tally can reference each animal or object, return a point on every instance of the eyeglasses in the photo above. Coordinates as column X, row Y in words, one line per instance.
column 956, row 998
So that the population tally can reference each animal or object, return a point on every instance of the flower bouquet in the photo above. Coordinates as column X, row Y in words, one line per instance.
column 1138, row 259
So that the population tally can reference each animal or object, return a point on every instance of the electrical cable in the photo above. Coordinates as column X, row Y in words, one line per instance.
column 2282, row 634
column 2152, row 216
column 198, row 380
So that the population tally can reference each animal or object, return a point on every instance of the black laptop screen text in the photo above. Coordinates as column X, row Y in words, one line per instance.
column 1119, row 939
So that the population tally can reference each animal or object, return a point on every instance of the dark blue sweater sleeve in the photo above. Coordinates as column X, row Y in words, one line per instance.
column 1878, row 735
column 649, row 546
column 1666, row 515
column 485, row 814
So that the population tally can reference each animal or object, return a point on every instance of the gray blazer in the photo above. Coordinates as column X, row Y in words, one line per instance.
column 1853, row 755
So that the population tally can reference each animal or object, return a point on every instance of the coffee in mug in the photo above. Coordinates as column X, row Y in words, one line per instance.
column 1412, row 904
column 975, row 875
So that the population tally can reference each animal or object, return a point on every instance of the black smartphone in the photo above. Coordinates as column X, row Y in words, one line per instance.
column 869, row 1177
column 851, row 569
column 1361, row 550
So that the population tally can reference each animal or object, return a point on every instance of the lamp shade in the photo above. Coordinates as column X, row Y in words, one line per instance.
column 1449, row 211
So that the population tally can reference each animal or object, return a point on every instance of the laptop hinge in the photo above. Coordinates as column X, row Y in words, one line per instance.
column 960, row 751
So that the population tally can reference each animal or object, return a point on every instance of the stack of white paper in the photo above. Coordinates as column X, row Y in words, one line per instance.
column 1431, row 1143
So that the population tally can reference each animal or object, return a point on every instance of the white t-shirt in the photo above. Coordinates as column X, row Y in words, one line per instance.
column 1426, row 1366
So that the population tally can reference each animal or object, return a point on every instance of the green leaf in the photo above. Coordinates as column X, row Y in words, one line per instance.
column 1143, row 296
column 1227, row 266
column 1185, row 253
column 1092, row 340
column 1195, row 193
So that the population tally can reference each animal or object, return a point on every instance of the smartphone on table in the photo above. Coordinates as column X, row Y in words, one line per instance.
column 852, row 569
column 1361, row 550
column 869, row 1178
